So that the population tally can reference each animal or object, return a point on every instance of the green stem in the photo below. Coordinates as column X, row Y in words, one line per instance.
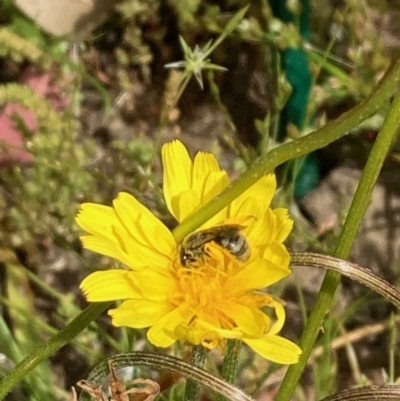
column 54, row 344
column 356, row 213
column 232, row 24
column 199, row 354
column 231, row 363
column 307, row 144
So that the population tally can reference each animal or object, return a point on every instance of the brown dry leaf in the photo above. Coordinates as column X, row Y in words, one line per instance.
column 118, row 389
column 95, row 391
column 74, row 395
column 120, row 393
column 151, row 388
column 117, row 386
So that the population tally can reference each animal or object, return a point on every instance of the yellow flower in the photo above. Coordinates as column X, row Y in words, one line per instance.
column 219, row 297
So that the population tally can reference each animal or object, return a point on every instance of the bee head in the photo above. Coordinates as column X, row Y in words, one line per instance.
column 186, row 258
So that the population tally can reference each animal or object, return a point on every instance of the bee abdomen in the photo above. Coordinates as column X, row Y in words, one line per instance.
column 236, row 245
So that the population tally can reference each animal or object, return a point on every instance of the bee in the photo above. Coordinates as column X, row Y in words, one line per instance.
column 228, row 237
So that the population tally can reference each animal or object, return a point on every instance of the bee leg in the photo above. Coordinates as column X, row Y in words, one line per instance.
column 206, row 253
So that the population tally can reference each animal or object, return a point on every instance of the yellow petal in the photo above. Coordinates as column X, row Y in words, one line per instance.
column 110, row 285
column 284, row 224
column 278, row 255
column 214, row 184
column 276, row 349
column 154, row 285
column 98, row 220
column 250, row 320
column 139, row 313
column 280, row 317
column 202, row 192
column 177, row 173
column 143, row 225
column 119, row 232
column 162, row 333
column 109, row 248
column 194, row 335
column 256, row 275
column 208, row 327
column 203, row 165
column 249, row 207
column 263, row 230
column 263, row 191
column 187, row 203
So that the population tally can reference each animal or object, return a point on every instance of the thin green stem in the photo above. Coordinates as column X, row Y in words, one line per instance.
column 50, row 347
column 231, row 363
column 199, row 354
column 316, row 140
column 232, row 24
column 356, row 213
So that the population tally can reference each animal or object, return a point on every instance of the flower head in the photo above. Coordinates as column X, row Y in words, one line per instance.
column 211, row 295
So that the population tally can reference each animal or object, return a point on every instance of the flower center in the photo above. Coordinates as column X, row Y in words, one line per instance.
column 202, row 284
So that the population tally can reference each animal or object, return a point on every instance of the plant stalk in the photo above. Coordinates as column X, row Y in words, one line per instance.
column 192, row 390
column 231, row 363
